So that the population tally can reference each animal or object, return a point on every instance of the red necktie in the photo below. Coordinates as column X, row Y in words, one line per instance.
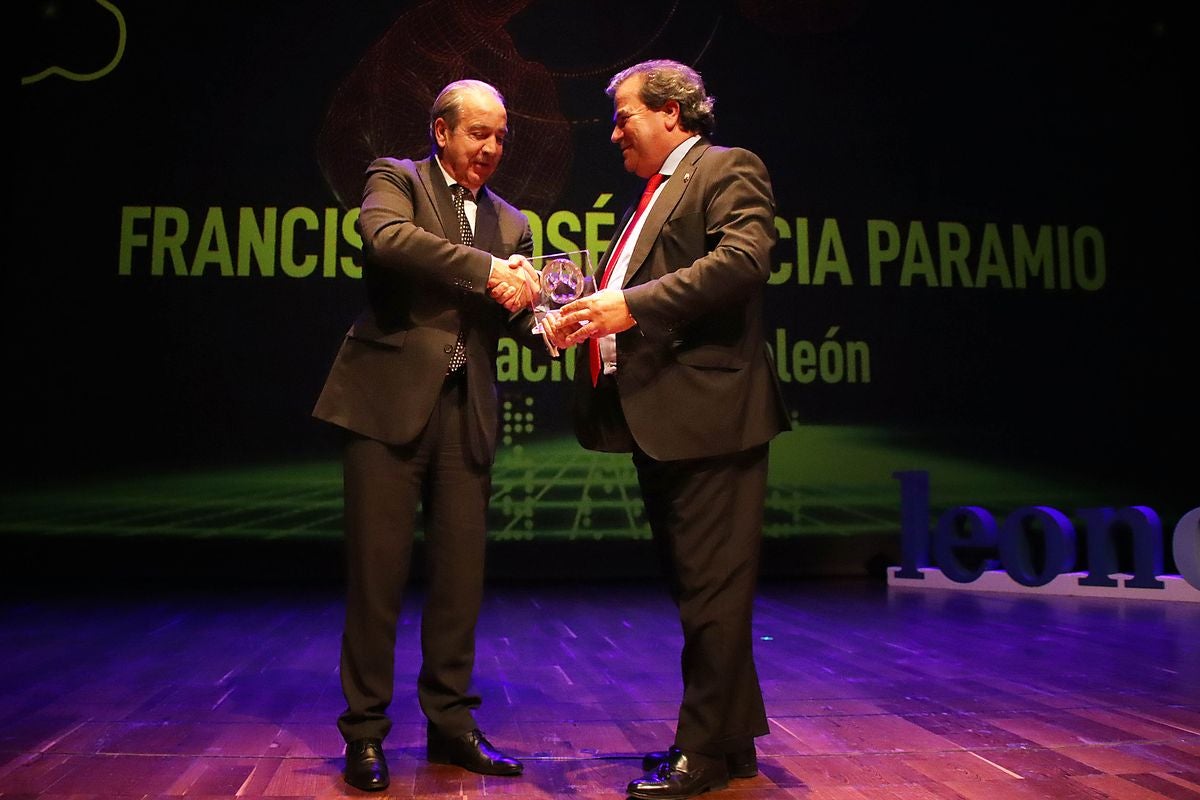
column 647, row 193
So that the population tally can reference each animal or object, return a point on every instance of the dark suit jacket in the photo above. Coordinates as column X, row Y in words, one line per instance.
column 423, row 284
column 694, row 376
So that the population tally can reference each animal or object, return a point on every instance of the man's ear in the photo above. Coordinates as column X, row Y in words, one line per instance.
column 671, row 109
column 440, row 132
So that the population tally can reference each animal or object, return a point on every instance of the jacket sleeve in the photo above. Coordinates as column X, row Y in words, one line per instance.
column 735, row 215
column 394, row 218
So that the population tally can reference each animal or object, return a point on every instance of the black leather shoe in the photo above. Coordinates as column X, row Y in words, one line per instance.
column 741, row 763
column 366, row 768
column 470, row 751
column 679, row 776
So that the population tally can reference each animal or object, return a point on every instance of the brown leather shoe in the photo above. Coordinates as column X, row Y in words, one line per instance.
column 366, row 768
column 680, row 776
column 471, row 751
column 741, row 763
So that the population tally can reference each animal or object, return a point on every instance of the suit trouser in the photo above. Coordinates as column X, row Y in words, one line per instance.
column 383, row 485
column 706, row 517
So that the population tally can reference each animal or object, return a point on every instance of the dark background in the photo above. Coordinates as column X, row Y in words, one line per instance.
column 1036, row 114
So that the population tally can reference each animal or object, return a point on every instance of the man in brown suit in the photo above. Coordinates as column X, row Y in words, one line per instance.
column 414, row 389
column 680, row 329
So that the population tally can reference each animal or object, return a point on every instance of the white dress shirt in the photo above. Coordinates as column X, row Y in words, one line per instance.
column 608, row 344
column 469, row 204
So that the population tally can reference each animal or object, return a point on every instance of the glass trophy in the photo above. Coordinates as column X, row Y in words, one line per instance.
column 564, row 277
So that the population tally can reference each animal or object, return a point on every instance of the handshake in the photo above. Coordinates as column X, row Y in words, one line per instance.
column 513, row 283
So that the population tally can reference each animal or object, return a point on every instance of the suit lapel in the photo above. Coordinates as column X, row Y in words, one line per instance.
column 487, row 221
column 439, row 198
column 662, row 210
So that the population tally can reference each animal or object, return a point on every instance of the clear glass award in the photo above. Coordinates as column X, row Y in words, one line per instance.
column 564, row 277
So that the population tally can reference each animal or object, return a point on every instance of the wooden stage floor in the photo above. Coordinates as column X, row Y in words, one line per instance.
column 899, row 694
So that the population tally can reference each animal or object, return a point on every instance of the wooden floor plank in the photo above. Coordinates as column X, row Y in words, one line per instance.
column 871, row 695
column 1117, row 787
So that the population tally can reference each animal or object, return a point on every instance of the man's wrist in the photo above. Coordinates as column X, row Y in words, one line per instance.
column 496, row 264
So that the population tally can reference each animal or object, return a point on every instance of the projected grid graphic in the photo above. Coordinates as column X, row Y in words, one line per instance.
column 830, row 481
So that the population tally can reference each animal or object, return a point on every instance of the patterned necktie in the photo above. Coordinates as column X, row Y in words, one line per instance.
column 647, row 193
column 458, row 191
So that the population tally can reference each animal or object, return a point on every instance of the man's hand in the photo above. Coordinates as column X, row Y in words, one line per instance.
column 513, row 283
column 597, row 314
column 555, row 332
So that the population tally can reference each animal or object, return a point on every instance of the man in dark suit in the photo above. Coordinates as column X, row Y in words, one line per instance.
column 414, row 388
column 685, row 382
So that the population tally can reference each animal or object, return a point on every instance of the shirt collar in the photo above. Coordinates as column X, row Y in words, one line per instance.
column 672, row 162
column 450, row 179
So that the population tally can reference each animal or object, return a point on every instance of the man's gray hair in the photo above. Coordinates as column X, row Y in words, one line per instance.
column 448, row 104
column 670, row 80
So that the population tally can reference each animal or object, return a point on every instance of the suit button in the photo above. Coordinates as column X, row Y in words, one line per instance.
column 448, row 348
